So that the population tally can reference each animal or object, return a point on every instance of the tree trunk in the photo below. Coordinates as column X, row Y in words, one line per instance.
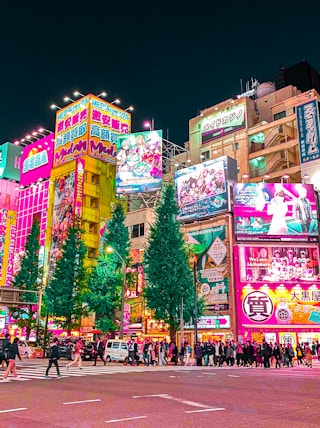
column 173, row 333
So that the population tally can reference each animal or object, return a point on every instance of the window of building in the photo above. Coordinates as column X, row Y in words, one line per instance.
column 95, row 179
column 236, row 146
column 93, row 227
column 137, row 230
column 94, row 203
column 91, row 253
column 279, row 115
column 205, row 155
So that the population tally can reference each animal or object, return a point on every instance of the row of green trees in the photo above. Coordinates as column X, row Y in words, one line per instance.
column 72, row 291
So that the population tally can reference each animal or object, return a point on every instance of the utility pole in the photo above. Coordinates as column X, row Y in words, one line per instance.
column 181, row 323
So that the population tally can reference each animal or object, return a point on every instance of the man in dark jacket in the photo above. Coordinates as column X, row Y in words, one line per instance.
column 6, row 345
column 98, row 351
column 54, row 355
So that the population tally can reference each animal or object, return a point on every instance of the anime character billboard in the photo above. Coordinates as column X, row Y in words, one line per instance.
column 211, row 251
column 62, row 217
column 202, row 189
column 275, row 211
column 139, row 162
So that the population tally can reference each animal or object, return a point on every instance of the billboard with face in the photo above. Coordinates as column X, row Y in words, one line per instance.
column 62, row 216
column 36, row 160
column 139, row 162
column 275, row 211
column 211, row 250
column 202, row 189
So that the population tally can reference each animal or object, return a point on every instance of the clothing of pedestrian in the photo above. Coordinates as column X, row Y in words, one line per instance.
column 175, row 352
column 277, row 355
column 6, row 344
column 300, row 355
column 188, row 354
column 13, row 352
column 98, row 351
column 266, row 354
column 198, row 353
column 308, row 355
column 77, row 355
column 54, row 357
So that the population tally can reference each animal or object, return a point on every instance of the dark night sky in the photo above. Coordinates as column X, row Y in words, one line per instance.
column 168, row 60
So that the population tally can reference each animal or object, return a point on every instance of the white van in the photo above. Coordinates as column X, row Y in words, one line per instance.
column 116, row 350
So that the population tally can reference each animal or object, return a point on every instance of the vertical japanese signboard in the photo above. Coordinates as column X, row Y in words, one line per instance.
column 308, row 131
column 8, row 231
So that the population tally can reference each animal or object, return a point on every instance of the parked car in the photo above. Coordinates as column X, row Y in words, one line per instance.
column 65, row 349
column 88, row 351
column 30, row 350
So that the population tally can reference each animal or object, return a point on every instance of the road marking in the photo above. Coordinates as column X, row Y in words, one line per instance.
column 13, row 410
column 125, row 419
column 83, row 401
column 233, row 375
column 172, row 377
column 211, row 374
column 150, row 395
column 205, row 410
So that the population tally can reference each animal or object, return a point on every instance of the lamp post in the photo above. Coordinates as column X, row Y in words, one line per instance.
column 195, row 303
column 123, row 290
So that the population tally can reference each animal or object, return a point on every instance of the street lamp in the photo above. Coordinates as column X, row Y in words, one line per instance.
column 111, row 250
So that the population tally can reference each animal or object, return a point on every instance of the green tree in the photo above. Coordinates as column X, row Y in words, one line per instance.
column 169, row 277
column 65, row 291
column 105, row 281
column 29, row 279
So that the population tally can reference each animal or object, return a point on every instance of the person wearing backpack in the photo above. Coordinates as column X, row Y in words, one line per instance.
column 54, row 355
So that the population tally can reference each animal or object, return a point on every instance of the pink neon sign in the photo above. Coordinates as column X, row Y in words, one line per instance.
column 36, row 160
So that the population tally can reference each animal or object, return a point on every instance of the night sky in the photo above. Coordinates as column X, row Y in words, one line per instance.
column 166, row 60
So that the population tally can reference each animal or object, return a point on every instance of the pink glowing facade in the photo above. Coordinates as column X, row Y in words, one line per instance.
column 36, row 161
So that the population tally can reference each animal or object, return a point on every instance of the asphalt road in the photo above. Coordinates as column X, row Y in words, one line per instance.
column 167, row 397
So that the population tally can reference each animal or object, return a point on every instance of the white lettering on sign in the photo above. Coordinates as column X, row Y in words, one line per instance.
column 35, row 161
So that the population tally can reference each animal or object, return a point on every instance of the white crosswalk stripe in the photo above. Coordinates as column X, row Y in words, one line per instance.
column 37, row 372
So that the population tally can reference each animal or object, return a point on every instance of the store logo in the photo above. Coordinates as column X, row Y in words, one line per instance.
column 258, row 306
column 35, row 161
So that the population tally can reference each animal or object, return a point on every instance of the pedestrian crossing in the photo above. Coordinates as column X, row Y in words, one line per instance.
column 37, row 372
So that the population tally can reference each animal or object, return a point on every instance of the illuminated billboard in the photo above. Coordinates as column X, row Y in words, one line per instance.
column 279, row 305
column 275, row 211
column 203, row 189
column 10, row 161
column 89, row 126
column 36, row 160
column 308, row 131
column 139, row 162
column 277, row 263
column 62, row 216
column 211, row 251
column 223, row 122
column 107, row 122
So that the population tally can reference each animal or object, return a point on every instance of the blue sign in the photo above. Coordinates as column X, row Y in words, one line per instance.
column 308, row 131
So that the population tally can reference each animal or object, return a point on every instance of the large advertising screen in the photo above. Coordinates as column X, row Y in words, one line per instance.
column 308, row 131
column 279, row 305
column 36, row 160
column 202, row 189
column 277, row 263
column 275, row 211
column 210, row 248
column 107, row 122
column 89, row 126
column 139, row 162
column 224, row 122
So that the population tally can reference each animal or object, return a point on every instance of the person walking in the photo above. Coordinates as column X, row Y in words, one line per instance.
column 53, row 358
column 98, row 351
column 188, row 354
column 6, row 345
column 77, row 355
column 12, row 352
column 198, row 353
column 277, row 355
